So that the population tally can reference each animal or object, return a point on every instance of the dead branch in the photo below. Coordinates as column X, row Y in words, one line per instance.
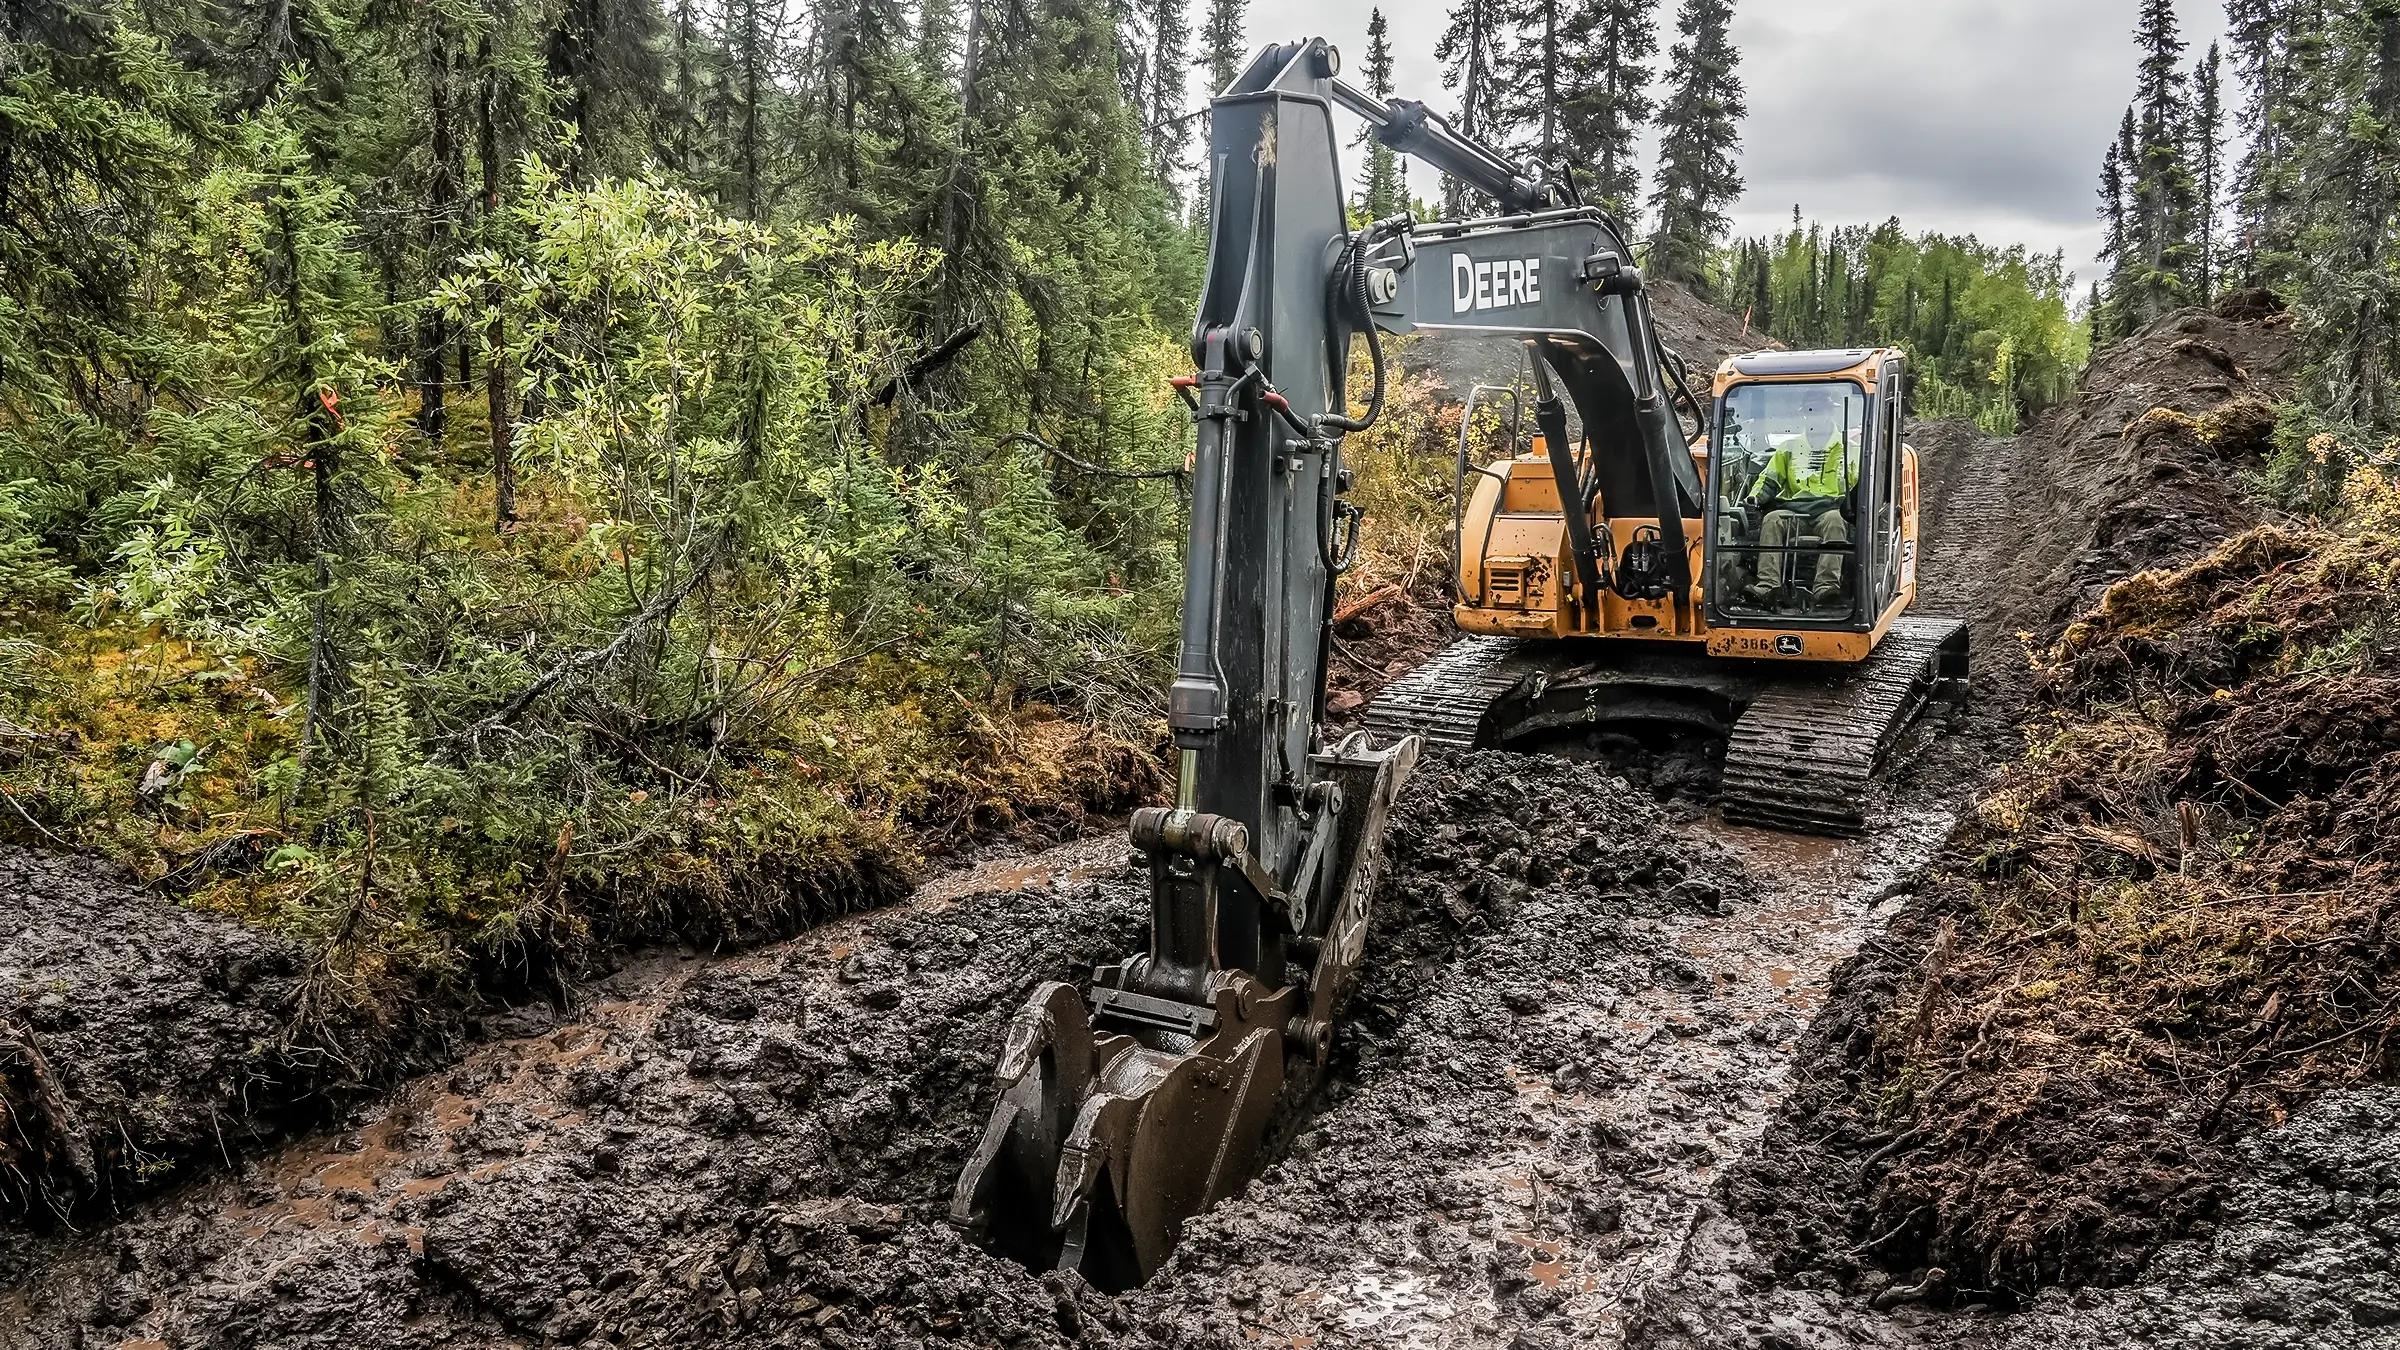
column 932, row 359
column 50, row 1102
column 1086, row 465
column 1366, row 602
column 661, row 607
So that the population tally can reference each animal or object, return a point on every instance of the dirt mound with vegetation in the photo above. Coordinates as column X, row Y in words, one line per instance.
column 758, row 1149
column 2300, row 1260
column 2165, row 929
column 135, row 1037
column 2147, row 466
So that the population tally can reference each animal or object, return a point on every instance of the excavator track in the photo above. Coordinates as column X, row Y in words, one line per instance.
column 1449, row 700
column 1799, row 757
column 1804, row 751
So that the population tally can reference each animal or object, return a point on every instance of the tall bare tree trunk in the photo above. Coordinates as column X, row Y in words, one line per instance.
column 495, row 333
column 441, row 199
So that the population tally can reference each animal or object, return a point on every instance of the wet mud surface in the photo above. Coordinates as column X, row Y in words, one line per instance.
column 1576, row 1018
column 755, row 1145
column 1584, row 1095
column 1526, row 1156
column 2303, row 1256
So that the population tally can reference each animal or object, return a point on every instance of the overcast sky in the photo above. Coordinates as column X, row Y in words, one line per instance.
column 1988, row 116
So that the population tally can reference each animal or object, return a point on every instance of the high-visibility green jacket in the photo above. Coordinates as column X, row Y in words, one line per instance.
column 1787, row 469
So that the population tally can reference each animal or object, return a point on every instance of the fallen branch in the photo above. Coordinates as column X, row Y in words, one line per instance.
column 1084, row 464
column 661, row 606
column 932, row 359
column 50, row 1102
column 1370, row 600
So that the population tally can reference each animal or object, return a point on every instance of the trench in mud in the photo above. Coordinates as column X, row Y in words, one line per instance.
column 763, row 1144
column 1579, row 1010
column 1578, row 1195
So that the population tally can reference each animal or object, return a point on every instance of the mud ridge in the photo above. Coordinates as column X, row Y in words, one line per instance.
column 2088, row 1177
column 139, row 1040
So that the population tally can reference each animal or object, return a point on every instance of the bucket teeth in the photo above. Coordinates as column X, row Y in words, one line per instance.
column 1115, row 1127
column 1045, row 1072
column 1053, row 1014
column 1103, row 1119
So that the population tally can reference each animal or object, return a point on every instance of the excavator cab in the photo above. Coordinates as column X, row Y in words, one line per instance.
column 1811, row 492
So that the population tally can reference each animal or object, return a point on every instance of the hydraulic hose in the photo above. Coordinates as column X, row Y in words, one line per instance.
column 1354, row 282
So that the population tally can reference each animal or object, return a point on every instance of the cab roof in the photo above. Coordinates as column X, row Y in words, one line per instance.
column 1829, row 362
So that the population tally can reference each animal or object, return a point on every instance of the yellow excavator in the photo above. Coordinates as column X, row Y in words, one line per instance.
column 1768, row 612
column 1133, row 1102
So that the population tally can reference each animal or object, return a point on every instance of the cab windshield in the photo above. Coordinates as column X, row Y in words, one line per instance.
column 1787, row 462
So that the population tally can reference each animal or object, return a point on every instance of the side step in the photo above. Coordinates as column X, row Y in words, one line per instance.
column 1802, row 755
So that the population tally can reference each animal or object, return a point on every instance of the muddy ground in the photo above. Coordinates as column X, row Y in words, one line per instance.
column 138, row 1039
column 1571, row 1025
column 1583, row 1013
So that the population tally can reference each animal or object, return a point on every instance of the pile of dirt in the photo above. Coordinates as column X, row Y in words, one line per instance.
column 760, row 1148
column 136, row 1038
column 1700, row 331
column 1387, row 638
column 2302, row 1258
column 2129, row 476
column 2165, row 929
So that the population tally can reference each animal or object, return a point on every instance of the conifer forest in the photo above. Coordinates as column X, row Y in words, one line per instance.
column 587, row 588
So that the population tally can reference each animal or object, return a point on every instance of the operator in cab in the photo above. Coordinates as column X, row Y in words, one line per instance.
column 1807, row 480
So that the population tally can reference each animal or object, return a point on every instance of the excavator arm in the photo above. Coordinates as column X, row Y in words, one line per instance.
column 1129, row 1107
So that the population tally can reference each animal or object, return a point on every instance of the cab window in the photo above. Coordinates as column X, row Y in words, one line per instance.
column 1788, row 463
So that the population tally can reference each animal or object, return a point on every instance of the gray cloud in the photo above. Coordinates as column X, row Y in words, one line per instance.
column 1968, row 116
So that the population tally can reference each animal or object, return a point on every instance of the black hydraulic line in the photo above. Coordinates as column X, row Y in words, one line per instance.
column 1681, row 375
column 1627, row 282
column 1351, row 284
column 1550, row 414
column 1414, row 129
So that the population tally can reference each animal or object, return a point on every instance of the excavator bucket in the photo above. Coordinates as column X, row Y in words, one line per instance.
column 1122, row 1117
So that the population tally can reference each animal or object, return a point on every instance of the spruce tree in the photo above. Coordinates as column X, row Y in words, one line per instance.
column 2350, row 165
column 2208, row 159
column 1573, row 90
column 444, row 207
column 2164, row 202
column 1166, row 62
column 1222, row 55
column 1530, row 79
column 2115, row 242
column 1699, row 136
column 745, row 99
column 1607, row 102
column 2261, row 32
column 1472, row 54
column 1222, row 49
column 604, row 59
column 1379, row 183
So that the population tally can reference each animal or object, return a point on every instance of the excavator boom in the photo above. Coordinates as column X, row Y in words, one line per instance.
column 1126, row 1108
